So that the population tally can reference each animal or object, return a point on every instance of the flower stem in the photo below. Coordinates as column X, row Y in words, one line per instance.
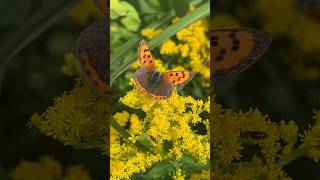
column 294, row 155
column 126, row 135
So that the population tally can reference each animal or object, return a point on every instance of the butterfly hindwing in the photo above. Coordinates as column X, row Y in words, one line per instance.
column 159, row 90
column 177, row 77
column 93, row 55
column 145, row 56
column 234, row 50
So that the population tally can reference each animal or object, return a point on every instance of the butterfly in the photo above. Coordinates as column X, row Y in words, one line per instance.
column 158, row 85
column 93, row 55
column 234, row 50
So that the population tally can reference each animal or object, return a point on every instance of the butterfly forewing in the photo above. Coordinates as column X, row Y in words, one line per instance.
column 145, row 56
column 93, row 55
column 178, row 77
column 234, row 50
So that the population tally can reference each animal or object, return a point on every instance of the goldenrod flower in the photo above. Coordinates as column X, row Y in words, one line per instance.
column 164, row 121
column 47, row 169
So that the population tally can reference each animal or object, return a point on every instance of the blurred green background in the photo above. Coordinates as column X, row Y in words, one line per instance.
column 285, row 82
column 31, row 79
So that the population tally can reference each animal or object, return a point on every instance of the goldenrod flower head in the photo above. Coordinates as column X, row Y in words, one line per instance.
column 47, row 169
column 166, row 120
column 122, row 118
column 150, row 33
column 76, row 118
column 124, row 169
column 179, row 175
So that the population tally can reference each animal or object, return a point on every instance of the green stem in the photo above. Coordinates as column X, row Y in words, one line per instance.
column 293, row 156
column 126, row 135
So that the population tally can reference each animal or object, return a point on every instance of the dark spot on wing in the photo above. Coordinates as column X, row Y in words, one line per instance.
column 235, row 48
column 223, row 51
column 219, row 58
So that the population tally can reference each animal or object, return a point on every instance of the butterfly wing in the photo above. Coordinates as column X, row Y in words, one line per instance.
column 103, row 5
column 93, row 54
column 177, row 77
column 159, row 90
column 145, row 56
column 234, row 50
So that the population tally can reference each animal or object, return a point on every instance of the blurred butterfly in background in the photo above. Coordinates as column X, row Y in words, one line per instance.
column 93, row 51
column 234, row 50
column 158, row 85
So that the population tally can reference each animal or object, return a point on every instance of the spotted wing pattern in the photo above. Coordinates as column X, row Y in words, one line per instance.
column 234, row 50
column 93, row 54
column 145, row 56
column 177, row 77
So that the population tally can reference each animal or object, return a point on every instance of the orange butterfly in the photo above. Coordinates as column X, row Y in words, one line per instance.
column 93, row 54
column 234, row 50
column 158, row 85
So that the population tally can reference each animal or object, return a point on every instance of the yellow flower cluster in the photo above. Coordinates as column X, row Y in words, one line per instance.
column 179, row 175
column 203, row 175
column 124, row 168
column 83, row 11
column 311, row 139
column 78, row 118
column 231, row 131
column 192, row 48
column 47, row 169
column 166, row 120
column 150, row 33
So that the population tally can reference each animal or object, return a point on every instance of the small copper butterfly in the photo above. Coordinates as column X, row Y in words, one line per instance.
column 158, row 85
column 234, row 50
column 93, row 54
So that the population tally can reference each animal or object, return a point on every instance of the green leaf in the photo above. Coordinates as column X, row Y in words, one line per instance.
column 166, row 5
column 199, row 13
column 129, row 17
column 189, row 165
column 40, row 21
column 144, row 140
column 167, row 145
column 181, row 7
column 147, row 6
column 161, row 170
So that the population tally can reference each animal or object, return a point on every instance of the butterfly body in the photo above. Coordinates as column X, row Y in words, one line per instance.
column 158, row 85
